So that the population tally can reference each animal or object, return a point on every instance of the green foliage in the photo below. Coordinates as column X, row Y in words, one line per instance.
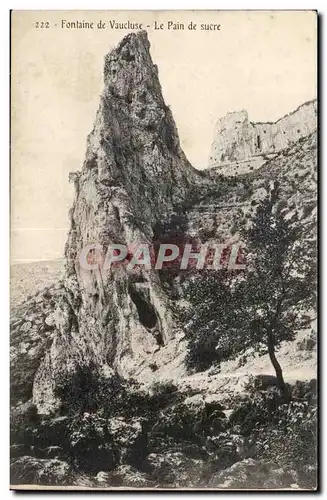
column 87, row 390
column 91, row 444
column 208, row 320
column 285, row 434
column 262, row 306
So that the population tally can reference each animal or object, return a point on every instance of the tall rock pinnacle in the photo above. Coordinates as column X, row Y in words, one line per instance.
column 134, row 172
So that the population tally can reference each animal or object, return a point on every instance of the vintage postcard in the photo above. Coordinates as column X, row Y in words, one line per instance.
column 164, row 250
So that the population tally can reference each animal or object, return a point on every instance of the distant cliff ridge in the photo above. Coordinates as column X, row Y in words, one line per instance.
column 238, row 140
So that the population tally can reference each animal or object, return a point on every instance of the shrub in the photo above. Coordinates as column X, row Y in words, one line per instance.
column 285, row 434
column 202, row 353
column 89, row 391
column 292, row 436
column 91, row 444
column 253, row 412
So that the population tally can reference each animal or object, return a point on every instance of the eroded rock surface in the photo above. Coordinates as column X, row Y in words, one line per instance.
column 240, row 145
column 134, row 173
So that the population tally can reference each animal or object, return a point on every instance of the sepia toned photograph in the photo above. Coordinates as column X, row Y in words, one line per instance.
column 163, row 241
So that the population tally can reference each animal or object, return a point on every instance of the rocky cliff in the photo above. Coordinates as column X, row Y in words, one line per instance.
column 240, row 144
column 134, row 173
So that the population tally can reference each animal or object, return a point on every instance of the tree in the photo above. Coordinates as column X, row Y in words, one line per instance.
column 211, row 325
column 280, row 282
column 262, row 306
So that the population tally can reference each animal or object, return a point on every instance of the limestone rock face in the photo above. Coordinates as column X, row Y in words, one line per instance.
column 101, row 395
column 134, row 173
column 236, row 139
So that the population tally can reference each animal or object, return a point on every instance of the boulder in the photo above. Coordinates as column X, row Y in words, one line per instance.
column 125, row 476
column 175, row 469
column 130, row 439
column 253, row 474
column 31, row 470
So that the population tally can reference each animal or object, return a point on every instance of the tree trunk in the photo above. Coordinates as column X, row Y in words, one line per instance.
column 278, row 369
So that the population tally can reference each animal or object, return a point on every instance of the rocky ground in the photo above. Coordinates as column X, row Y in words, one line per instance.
column 27, row 278
column 180, row 431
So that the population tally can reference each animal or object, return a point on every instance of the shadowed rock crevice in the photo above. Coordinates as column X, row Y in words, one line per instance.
column 145, row 309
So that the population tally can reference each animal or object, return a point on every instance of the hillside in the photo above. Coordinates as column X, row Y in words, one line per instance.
column 103, row 392
column 28, row 278
column 229, row 201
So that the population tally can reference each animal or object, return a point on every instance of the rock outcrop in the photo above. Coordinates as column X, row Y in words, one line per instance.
column 252, row 474
column 134, row 173
column 240, row 144
column 32, row 332
column 30, row 470
column 231, row 200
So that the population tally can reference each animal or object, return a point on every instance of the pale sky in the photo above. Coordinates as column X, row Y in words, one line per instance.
column 264, row 62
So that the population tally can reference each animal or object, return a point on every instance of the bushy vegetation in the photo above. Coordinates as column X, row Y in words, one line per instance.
column 107, row 422
column 285, row 434
column 81, row 432
column 261, row 306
